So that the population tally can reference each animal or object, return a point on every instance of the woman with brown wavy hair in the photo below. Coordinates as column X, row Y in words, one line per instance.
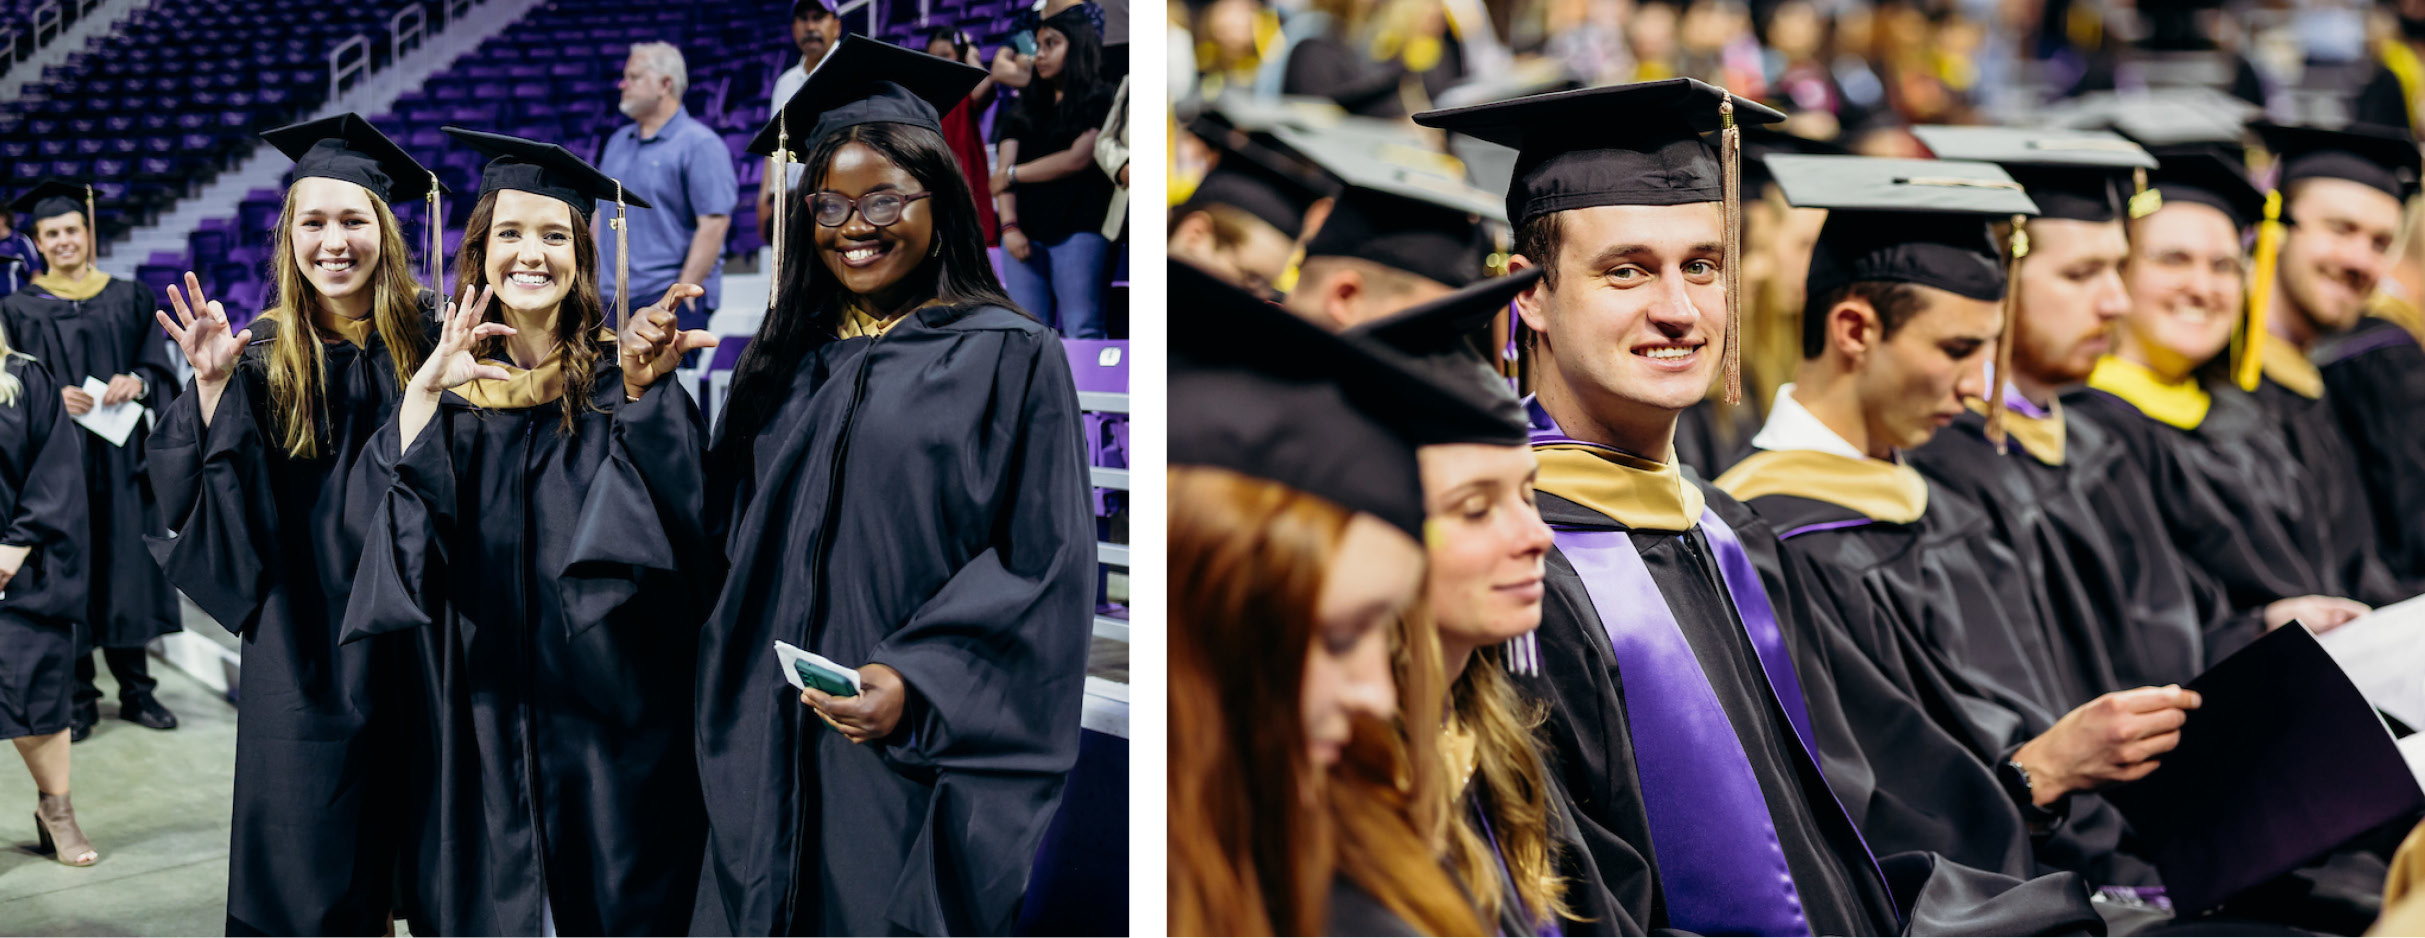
column 1493, row 804
column 251, row 467
column 533, row 521
column 1294, row 535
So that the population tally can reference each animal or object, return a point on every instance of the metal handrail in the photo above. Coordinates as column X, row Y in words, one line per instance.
column 397, row 29
column 47, row 19
column 337, row 72
column 1102, row 402
column 1104, row 478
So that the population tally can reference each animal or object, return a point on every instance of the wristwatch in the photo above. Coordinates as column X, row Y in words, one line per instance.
column 2014, row 777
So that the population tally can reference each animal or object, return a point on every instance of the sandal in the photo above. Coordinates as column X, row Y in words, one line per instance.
column 56, row 820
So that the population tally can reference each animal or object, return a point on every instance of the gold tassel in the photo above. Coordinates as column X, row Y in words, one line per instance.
column 623, row 265
column 2143, row 201
column 2012, row 316
column 92, row 230
column 2260, row 294
column 437, row 239
column 1730, row 146
column 782, row 207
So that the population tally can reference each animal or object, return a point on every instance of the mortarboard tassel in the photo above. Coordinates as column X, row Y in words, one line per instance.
column 2012, row 310
column 2260, row 294
column 92, row 229
column 437, row 239
column 774, row 259
column 623, row 265
column 2143, row 201
column 1730, row 145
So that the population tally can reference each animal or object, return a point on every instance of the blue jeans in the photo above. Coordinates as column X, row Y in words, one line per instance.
column 1062, row 284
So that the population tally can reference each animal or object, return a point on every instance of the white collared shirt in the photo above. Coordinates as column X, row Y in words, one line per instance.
column 1792, row 426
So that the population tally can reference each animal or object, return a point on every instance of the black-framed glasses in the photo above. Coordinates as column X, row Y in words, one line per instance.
column 880, row 209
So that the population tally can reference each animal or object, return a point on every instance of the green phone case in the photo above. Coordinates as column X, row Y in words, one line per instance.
column 833, row 683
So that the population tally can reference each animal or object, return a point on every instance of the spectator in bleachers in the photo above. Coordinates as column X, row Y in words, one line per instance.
column 1052, row 205
column 960, row 126
column 679, row 165
column 20, row 260
column 815, row 28
column 89, row 327
column 913, row 505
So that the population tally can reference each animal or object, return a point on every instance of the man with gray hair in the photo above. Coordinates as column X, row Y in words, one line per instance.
column 680, row 166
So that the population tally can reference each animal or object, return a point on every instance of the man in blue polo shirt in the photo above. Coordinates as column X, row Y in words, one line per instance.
column 682, row 167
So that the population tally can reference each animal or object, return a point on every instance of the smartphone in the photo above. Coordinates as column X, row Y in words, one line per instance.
column 806, row 669
column 1024, row 41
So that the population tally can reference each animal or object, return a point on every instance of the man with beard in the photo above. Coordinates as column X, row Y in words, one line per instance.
column 815, row 28
column 679, row 165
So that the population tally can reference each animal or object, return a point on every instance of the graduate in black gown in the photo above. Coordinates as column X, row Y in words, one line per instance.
column 2238, row 505
column 1396, row 235
column 1244, row 219
column 1670, row 632
column 1296, row 806
column 42, row 589
column 82, row 323
column 1514, row 844
column 906, row 494
column 252, row 465
column 2342, row 197
column 533, row 518
column 1907, row 301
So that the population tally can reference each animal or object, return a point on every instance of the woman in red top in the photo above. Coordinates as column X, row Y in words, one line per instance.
column 960, row 130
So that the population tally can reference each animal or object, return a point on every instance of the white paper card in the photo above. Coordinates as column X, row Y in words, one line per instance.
column 2384, row 654
column 791, row 656
column 110, row 423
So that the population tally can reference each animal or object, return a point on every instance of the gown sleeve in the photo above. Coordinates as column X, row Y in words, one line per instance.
column 50, row 511
column 149, row 356
column 997, row 658
column 213, row 486
column 405, row 505
column 645, row 509
column 2374, row 394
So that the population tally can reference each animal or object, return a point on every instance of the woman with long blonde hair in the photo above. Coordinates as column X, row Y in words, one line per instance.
column 42, row 589
column 1296, row 514
column 251, row 466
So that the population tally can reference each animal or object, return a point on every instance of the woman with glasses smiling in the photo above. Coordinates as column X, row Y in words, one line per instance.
column 901, row 475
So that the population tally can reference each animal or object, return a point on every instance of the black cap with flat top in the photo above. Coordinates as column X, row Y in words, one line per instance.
column 1442, row 341
column 1257, row 390
column 543, row 169
column 2199, row 176
column 52, row 198
column 1637, row 144
column 2383, row 159
column 1399, row 216
column 1904, row 221
column 2080, row 175
column 865, row 81
column 1257, row 180
column 348, row 148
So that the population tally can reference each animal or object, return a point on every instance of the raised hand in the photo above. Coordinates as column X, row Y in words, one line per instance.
column 201, row 330
column 653, row 343
column 453, row 363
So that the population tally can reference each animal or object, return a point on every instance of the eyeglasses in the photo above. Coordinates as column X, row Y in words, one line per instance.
column 880, row 209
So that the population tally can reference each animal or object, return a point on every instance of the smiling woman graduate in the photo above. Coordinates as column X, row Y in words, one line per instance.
column 533, row 519
column 251, row 467
column 902, row 468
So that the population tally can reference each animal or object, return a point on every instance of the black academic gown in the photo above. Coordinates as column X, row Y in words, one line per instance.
column 2083, row 520
column 42, row 500
column 548, row 577
column 263, row 546
column 1949, row 624
column 2237, row 504
column 1711, row 436
column 917, row 500
column 2312, row 427
column 2374, row 375
column 1841, row 891
column 1590, row 908
column 113, row 333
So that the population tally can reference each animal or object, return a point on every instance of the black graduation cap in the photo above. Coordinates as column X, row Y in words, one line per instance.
column 2070, row 174
column 866, row 81
column 544, row 169
column 1906, row 221
column 1636, row 144
column 1255, row 179
column 2383, row 159
column 53, row 197
column 2161, row 117
column 1396, row 214
column 1437, row 340
column 347, row 147
column 2207, row 177
column 1258, row 390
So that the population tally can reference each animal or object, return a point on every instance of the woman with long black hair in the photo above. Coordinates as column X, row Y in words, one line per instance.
column 1047, row 192
column 901, row 466
column 251, row 467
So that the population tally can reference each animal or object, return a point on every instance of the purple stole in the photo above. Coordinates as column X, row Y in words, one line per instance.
column 1718, row 856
